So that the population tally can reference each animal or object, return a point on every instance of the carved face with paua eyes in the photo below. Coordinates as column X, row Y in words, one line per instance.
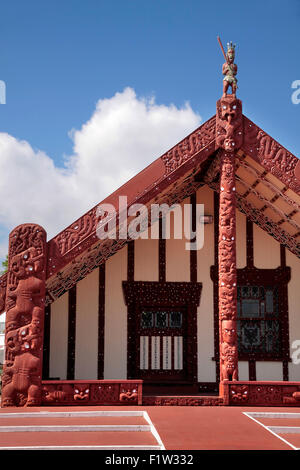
column 229, row 109
column 81, row 392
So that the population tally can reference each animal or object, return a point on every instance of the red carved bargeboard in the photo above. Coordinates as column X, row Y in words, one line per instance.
column 92, row 392
column 271, row 155
column 264, row 393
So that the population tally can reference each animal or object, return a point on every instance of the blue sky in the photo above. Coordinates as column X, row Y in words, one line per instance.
column 59, row 58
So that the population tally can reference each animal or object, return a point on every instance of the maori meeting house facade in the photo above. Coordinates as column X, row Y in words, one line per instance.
column 119, row 321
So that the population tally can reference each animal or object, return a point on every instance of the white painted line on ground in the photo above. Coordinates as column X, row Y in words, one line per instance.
column 249, row 415
column 68, row 414
column 285, row 429
column 154, row 431
column 116, row 447
column 78, row 428
column 264, row 414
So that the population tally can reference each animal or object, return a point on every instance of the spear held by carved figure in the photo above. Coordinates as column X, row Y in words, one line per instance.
column 222, row 48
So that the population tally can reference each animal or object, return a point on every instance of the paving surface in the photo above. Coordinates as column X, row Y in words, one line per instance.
column 179, row 428
column 283, row 425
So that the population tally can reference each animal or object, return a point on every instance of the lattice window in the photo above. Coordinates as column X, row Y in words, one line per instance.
column 161, row 319
column 259, row 324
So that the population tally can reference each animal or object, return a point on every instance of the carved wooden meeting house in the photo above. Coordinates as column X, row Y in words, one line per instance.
column 116, row 320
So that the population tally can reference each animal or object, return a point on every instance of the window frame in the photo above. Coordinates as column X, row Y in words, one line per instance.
column 261, row 318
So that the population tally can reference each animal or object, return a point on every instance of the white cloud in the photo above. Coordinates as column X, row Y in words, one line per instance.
column 124, row 134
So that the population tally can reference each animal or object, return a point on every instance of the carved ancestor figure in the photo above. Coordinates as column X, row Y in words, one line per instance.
column 229, row 123
column 20, row 378
column 227, row 238
column 24, row 317
column 227, row 268
column 228, row 351
column 29, row 290
column 229, row 118
column 229, row 70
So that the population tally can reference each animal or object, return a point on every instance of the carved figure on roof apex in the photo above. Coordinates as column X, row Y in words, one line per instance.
column 229, row 68
column 229, row 117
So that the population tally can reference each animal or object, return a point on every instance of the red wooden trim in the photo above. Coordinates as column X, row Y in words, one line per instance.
column 249, row 243
column 130, row 260
column 131, row 316
column 250, row 264
column 46, row 348
column 214, row 272
column 101, row 321
column 193, row 253
column 161, row 252
column 252, row 370
column 285, row 370
column 282, row 256
column 71, row 333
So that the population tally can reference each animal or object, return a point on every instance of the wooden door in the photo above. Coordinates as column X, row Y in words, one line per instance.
column 161, row 344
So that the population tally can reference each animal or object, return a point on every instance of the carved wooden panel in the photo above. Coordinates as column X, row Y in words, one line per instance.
column 263, row 393
column 25, row 304
column 92, row 392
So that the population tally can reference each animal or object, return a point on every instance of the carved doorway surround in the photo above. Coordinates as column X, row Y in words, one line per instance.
column 162, row 330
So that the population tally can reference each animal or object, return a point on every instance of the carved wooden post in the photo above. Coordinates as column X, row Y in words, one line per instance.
column 24, row 329
column 229, row 137
column 227, row 269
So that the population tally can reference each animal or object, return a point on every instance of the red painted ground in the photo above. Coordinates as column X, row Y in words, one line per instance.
column 107, row 420
column 180, row 428
column 294, row 439
column 11, row 439
column 207, row 428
